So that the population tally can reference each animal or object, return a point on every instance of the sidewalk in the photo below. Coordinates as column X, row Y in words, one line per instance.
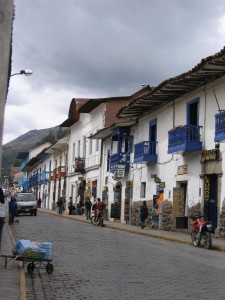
column 178, row 237
column 11, row 278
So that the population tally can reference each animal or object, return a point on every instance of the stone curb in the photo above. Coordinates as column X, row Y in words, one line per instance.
column 20, row 268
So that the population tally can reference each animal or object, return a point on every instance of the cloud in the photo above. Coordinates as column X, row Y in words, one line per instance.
column 99, row 48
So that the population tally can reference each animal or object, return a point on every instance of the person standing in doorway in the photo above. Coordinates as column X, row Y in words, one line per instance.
column 143, row 214
column 70, row 206
column 39, row 202
column 60, row 206
column 2, row 213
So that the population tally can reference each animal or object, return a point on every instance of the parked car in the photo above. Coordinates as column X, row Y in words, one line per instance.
column 26, row 204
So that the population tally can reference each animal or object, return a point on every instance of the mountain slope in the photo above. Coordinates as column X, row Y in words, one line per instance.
column 24, row 142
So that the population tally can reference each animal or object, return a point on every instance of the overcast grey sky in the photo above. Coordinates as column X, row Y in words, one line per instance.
column 101, row 48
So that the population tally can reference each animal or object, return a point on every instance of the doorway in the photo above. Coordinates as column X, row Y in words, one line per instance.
column 180, row 205
column 211, row 198
column 116, row 206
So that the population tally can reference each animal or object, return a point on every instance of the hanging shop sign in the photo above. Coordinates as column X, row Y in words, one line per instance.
column 209, row 155
column 206, row 188
column 162, row 185
column 116, row 177
column 181, row 170
column 79, row 165
column 157, row 180
column 121, row 170
column 129, row 184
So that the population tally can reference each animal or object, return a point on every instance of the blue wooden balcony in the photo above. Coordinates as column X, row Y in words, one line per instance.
column 220, row 127
column 23, row 182
column 33, row 180
column 145, row 152
column 184, row 138
column 43, row 177
column 119, row 159
column 26, row 185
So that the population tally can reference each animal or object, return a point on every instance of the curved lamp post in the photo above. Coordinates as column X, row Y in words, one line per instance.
column 26, row 72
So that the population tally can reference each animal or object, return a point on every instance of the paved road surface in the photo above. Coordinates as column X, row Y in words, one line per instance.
column 101, row 263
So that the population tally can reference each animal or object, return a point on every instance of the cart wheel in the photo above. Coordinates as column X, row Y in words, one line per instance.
column 30, row 267
column 49, row 268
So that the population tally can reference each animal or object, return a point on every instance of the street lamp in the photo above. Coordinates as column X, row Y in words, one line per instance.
column 23, row 72
column 2, row 105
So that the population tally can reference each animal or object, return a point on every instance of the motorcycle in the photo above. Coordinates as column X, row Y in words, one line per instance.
column 201, row 232
column 97, row 218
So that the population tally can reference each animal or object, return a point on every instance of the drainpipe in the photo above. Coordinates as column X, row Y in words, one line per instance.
column 203, row 140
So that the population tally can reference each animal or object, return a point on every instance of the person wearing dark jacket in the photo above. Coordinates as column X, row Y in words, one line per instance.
column 88, row 205
column 59, row 205
column 143, row 214
column 12, row 210
column 3, row 211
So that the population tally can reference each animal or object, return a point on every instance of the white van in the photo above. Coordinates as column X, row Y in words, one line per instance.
column 26, row 204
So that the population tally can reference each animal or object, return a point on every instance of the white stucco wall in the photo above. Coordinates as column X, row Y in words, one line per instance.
column 166, row 166
column 87, row 125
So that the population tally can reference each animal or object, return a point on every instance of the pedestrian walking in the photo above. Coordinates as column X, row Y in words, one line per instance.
column 59, row 205
column 88, row 205
column 3, row 210
column 12, row 210
column 143, row 214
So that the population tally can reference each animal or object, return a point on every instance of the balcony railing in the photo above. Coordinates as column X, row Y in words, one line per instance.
column 184, row 138
column 53, row 175
column 33, row 180
column 61, row 171
column 79, row 164
column 145, row 152
column 43, row 177
column 220, row 127
column 22, row 181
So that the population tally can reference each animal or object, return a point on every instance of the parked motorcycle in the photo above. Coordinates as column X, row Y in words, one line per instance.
column 201, row 232
column 97, row 218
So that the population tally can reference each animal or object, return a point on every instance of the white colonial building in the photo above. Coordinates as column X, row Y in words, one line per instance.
column 86, row 157
column 178, row 151
column 164, row 145
column 36, row 167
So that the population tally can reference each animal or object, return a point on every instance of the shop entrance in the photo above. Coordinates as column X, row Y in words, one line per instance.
column 179, row 206
column 210, row 198
column 116, row 206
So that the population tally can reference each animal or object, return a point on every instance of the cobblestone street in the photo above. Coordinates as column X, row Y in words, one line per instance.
column 101, row 263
